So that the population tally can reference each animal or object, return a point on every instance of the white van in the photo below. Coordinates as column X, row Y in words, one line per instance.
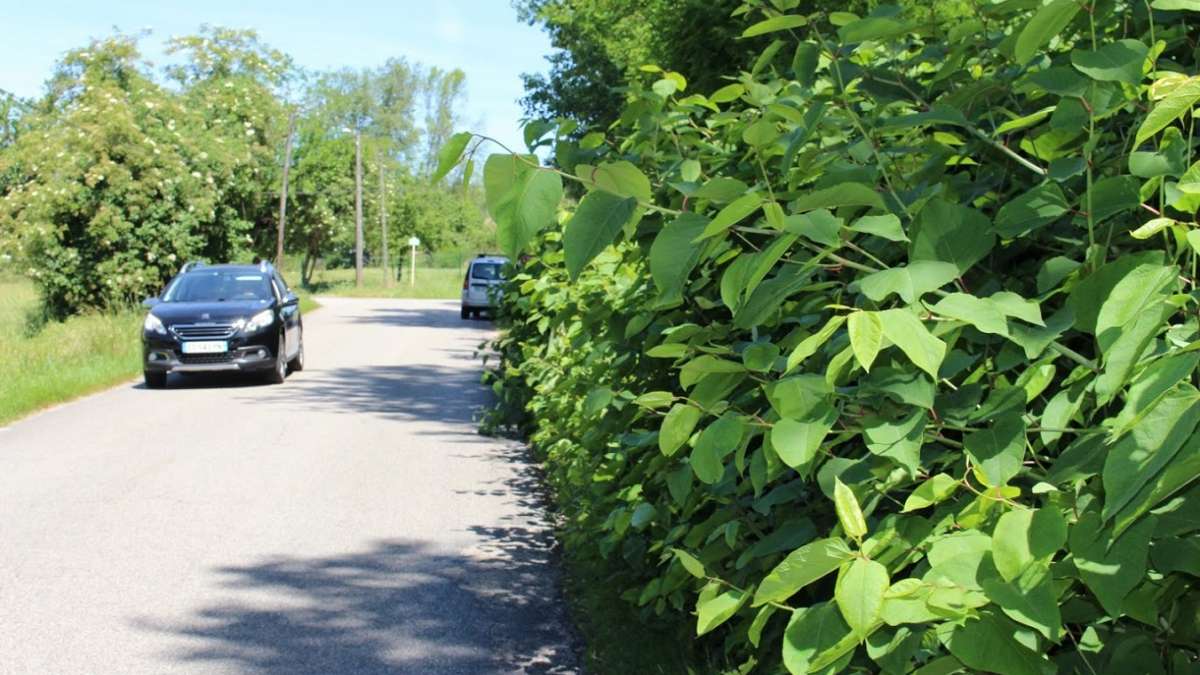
column 484, row 273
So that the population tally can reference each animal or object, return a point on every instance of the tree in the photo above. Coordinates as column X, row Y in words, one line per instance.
column 112, row 189
column 604, row 43
column 235, row 84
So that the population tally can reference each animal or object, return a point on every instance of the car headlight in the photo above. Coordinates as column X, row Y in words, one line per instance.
column 260, row 321
column 153, row 324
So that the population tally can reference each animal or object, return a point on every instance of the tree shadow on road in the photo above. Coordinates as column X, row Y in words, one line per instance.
column 398, row 607
column 434, row 316
column 424, row 393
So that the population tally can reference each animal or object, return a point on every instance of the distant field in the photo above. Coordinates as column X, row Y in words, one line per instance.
column 432, row 283
column 63, row 360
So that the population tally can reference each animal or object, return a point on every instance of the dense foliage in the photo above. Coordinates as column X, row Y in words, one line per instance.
column 882, row 356
column 119, row 172
column 602, row 42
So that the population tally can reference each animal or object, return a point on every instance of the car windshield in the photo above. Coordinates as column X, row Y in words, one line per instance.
column 219, row 286
column 486, row 271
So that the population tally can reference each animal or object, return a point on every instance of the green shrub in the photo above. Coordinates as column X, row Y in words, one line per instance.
column 882, row 356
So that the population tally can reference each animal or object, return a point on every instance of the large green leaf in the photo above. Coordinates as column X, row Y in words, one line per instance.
column 849, row 513
column 734, row 213
column 799, row 397
column 1049, row 21
column 765, row 260
column 1024, row 536
column 1088, row 296
column 998, row 450
column 987, row 643
column 885, row 226
column 775, row 23
column 1181, row 471
column 621, row 178
column 898, row 440
column 909, row 282
column 907, row 332
column 1110, row 567
column 677, row 428
column 979, row 312
column 1039, row 207
column 1130, row 296
column 770, row 295
column 859, row 595
column 715, row 605
column 1151, row 445
column 905, row 603
column 450, row 154
column 714, row 444
column 1173, row 106
column 866, row 337
column 1147, row 389
column 596, row 222
column 673, row 255
column 1029, row 599
column 813, row 633
column 809, row 345
column 800, row 568
column 797, row 442
column 1119, row 61
column 951, row 233
column 845, row 194
column 936, row 489
column 522, row 199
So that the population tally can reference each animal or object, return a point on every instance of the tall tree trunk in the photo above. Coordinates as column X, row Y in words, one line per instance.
column 283, row 192
column 358, row 210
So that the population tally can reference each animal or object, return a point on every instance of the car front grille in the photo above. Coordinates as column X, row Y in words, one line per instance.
column 205, row 359
column 214, row 331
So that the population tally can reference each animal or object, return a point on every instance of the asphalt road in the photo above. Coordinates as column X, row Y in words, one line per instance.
column 350, row 520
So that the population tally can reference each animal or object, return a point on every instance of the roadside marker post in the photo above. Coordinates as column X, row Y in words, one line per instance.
column 413, row 243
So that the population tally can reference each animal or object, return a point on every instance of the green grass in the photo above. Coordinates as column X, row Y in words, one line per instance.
column 62, row 360
column 432, row 283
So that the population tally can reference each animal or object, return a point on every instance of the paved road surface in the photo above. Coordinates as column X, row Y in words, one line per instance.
column 347, row 521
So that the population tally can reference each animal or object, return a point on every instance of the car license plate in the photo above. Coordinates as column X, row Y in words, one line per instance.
column 211, row 347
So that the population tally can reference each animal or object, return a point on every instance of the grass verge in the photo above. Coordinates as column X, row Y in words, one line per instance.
column 432, row 283
column 62, row 360
column 68, row 359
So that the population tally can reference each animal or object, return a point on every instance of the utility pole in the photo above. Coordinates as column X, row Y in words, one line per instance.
column 283, row 193
column 358, row 225
column 387, row 271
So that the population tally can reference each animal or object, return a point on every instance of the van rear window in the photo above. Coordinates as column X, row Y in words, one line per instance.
column 486, row 271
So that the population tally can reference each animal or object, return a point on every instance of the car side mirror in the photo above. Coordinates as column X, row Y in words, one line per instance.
column 150, row 302
column 291, row 299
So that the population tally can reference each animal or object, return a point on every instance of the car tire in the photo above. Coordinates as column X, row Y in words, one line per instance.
column 154, row 380
column 279, row 373
column 297, row 364
column 465, row 313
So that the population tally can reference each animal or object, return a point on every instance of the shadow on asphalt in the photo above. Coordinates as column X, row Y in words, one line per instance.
column 397, row 607
column 400, row 606
column 446, row 316
column 425, row 393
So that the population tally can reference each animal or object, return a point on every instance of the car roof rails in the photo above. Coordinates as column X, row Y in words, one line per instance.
column 191, row 265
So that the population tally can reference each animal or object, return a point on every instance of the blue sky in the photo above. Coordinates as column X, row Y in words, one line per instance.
column 482, row 37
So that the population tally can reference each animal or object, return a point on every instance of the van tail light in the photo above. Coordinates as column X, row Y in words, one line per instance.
column 467, row 279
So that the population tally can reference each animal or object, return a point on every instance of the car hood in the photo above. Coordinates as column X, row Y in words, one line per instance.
column 200, row 312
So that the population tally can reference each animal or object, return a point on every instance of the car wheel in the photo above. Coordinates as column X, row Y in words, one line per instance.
column 154, row 380
column 465, row 313
column 297, row 364
column 279, row 373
